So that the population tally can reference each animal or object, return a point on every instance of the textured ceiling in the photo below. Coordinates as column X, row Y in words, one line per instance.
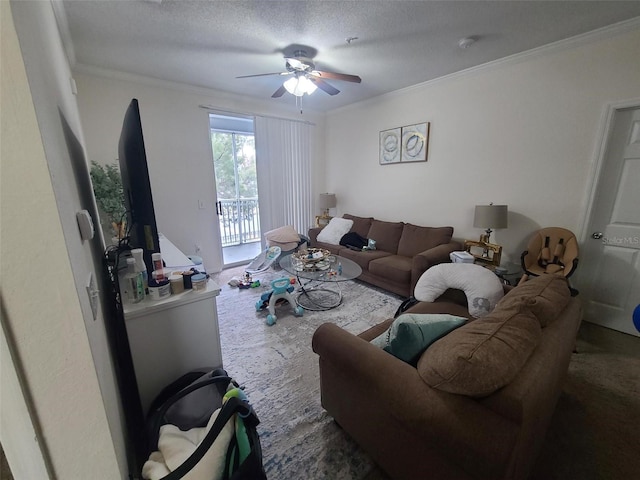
column 400, row 43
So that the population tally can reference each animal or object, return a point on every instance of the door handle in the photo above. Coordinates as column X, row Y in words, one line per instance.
column 218, row 208
column 596, row 235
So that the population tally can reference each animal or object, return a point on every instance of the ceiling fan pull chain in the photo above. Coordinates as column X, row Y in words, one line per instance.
column 299, row 103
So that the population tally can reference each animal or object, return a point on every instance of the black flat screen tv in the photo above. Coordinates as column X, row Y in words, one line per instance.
column 141, row 218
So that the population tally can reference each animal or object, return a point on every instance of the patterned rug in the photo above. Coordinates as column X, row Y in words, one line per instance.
column 279, row 371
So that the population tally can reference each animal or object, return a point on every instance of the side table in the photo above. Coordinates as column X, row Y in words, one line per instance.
column 508, row 273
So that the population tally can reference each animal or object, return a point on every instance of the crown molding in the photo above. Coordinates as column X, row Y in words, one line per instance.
column 92, row 70
column 60, row 15
column 587, row 38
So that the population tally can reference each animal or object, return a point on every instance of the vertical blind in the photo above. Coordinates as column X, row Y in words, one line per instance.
column 283, row 163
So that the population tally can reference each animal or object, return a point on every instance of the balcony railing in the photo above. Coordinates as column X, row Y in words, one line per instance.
column 239, row 221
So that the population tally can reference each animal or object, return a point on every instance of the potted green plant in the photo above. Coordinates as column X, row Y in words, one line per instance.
column 107, row 188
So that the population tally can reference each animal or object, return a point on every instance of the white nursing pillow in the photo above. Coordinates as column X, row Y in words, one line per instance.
column 481, row 286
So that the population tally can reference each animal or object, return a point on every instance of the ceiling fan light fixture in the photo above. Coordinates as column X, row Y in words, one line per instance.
column 299, row 85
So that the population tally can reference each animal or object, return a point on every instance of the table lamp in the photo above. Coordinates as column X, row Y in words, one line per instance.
column 327, row 201
column 490, row 216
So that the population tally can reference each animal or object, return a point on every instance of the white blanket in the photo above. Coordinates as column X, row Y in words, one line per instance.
column 175, row 446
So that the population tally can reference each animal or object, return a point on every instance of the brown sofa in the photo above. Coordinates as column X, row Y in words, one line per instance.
column 403, row 251
column 479, row 400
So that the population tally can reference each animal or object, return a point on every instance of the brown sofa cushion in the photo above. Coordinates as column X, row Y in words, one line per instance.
column 416, row 239
column 546, row 296
column 363, row 258
column 392, row 267
column 361, row 225
column 482, row 356
column 386, row 234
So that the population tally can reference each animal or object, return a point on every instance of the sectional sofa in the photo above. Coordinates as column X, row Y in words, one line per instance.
column 403, row 251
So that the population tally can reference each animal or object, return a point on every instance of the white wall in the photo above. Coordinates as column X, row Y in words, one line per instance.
column 521, row 132
column 47, row 324
column 178, row 146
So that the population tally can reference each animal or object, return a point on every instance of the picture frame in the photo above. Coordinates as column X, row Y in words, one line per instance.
column 415, row 143
column 487, row 254
column 389, row 146
column 408, row 144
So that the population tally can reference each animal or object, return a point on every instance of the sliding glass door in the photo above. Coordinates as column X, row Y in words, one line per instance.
column 234, row 159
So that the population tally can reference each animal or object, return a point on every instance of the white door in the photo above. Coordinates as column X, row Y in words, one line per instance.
column 609, row 267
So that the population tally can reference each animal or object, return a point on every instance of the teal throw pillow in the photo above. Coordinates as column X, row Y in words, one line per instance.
column 410, row 334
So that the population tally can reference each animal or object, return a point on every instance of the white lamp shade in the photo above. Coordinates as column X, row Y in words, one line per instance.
column 327, row 200
column 299, row 85
column 490, row 216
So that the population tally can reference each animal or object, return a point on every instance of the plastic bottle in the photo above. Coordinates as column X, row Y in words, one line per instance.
column 156, row 260
column 141, row 267
column 133, row 286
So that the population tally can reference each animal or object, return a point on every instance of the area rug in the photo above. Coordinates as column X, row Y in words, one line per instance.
column 279, row 371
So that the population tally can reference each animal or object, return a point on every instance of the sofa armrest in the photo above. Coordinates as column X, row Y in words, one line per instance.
column 359, row 356
column 456, row 424
column 313, row 235
column 427, row 259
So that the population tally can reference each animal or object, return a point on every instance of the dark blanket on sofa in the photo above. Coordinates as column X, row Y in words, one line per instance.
column 354, row 241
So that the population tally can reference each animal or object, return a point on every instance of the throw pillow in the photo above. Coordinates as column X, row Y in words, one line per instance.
column 481, row 286
column 334, row 231
column 410, row 334
column 361, row 225
column 483, row 355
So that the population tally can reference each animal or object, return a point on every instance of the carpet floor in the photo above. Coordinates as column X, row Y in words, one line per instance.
column 279, row 371
column 594, row 433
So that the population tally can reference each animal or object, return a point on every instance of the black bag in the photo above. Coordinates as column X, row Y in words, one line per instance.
column 354, row 241
column 405, row 305
column 189, row 402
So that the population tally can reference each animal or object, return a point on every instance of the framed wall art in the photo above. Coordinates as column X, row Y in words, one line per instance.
column 390, row 146
column 404, row 144
column 415, row 143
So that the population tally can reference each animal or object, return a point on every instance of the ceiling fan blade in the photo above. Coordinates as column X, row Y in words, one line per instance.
column 324, row 86
column 279, row 92
column 337, row 76
column 265, row 74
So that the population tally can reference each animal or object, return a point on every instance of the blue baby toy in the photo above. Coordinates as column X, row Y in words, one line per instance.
column 282, row 290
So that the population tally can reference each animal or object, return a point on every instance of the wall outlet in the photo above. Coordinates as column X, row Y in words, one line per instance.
column 201, row 204
column 93, row 293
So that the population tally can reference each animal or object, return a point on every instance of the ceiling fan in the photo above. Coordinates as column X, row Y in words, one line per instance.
column 305, row 78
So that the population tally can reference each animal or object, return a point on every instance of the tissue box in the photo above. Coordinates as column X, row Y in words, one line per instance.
column 461, row 257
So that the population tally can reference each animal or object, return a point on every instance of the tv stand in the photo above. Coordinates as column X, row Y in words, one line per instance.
column 172, row 336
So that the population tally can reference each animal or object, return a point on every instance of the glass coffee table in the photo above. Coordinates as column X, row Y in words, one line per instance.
column 320, row 289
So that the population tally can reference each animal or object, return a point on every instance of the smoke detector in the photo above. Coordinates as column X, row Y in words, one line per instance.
column 466, row 42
